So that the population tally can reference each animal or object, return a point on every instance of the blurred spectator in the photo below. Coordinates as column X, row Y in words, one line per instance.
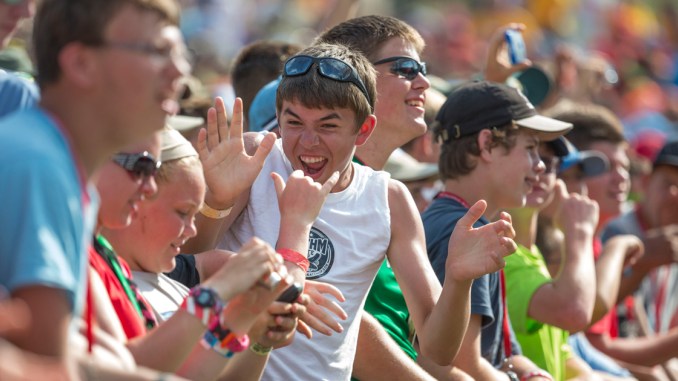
column 419, row 178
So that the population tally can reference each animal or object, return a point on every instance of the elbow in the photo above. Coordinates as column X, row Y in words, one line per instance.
column 440, row 356
column 575, row 319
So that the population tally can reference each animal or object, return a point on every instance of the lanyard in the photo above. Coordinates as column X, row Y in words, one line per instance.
column 452, row 196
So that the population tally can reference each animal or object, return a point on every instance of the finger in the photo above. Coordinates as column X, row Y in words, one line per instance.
column 312, row 322
column 331, row 182
column 304, row 329
column 222, row 118
column 326, row 288
column 279, row 185
column 504, row 228
column 509, row 245
column 474, row 213
column 264, row 148
column 235, row 131
column 212, row 127
column 325, row 318
column 560, row 192
column 203, row 152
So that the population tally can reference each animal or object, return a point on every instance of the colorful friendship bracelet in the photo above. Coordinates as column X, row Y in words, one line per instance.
column 203, row 303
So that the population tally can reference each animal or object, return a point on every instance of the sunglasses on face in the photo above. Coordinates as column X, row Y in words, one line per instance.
column 332, row 68
column 551, row 163
column 406, row 67
column 139, row 165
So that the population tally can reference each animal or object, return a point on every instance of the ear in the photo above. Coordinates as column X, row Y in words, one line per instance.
column 484, row 143
column 366, row 130
column 78, row 64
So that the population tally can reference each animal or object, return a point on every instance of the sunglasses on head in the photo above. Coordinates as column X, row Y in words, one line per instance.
column 137, row 164
column 332, row 68
column 405, row 66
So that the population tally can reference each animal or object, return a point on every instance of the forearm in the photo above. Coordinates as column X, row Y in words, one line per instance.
column 378, row 356
column 608, row 274
column 646, row 351
column 245, row 366
column 294, row 235
column 444, row 329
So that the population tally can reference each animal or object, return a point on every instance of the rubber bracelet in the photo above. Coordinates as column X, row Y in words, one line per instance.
column 536, row 373
column 295, row 257
column 203, row 303
column 260, row 349
column 216, row 214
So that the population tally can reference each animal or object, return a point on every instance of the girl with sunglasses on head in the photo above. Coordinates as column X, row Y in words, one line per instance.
column 220, row 311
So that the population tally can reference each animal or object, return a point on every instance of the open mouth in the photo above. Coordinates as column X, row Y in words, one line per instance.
column 313, row 165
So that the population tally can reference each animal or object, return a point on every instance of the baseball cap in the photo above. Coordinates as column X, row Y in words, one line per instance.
column 185, row 122
column 478, row 105
column 668, row 154
column 404, row 167
column 591, row 163
column 262, row 111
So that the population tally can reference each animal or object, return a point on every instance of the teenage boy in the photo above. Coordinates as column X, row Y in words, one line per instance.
column 108, row 76
column 543, row 309
column 490, row 136
column 325, row 103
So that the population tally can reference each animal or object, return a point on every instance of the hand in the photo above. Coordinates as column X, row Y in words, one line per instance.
column 256, row 260
column 316, row 315
column 661, row 246
column 276, row 327
column 628, row 245
column 574, row 211
column 228, row 169
column 473, row 252
column 497, row 66
column 301, row 199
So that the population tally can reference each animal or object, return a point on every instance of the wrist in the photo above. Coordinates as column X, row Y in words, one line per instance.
column 260, row 350
column 203, row 303
column 536, row 373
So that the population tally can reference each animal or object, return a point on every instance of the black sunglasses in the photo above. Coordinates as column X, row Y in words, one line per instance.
column 405, row 66
column 137, row 164
column 328, row 67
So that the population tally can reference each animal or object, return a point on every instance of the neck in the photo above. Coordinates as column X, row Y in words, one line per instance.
column 524, row 221
column 471, row 192
column 372, row 156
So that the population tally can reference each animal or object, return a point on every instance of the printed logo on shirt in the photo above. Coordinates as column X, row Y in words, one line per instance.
column 320, row 254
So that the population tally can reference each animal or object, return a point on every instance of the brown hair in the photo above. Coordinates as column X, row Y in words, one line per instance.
column 458, row 156
column 315, row 91
column 369, row 33
column 61, row 22
column 591, row 123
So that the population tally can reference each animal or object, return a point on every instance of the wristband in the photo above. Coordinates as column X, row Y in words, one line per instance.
column 230, row 345
column 290, row 255
column 260, row 349
column 203, row 303
column 216, row 214
column 536, row 373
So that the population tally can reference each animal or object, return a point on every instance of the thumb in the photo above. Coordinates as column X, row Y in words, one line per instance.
column 473, row 214
column 560, row 193
column 331, row 182
column 279, row 184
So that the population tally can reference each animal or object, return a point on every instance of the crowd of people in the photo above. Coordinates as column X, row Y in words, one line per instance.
column 348, row 216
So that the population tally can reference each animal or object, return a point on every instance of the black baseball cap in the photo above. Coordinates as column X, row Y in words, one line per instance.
column 668, row 155
column 478, row 105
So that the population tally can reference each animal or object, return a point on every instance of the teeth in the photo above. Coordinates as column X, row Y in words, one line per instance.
column 311, row 159
column 415, row 103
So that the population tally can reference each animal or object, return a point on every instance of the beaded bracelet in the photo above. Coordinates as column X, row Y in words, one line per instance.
column 230, row 345
column 203, row 303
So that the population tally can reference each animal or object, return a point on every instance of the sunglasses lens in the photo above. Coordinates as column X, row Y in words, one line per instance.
column 335, row 69
column 408, row 68
column 298, row 65
column 144, row 167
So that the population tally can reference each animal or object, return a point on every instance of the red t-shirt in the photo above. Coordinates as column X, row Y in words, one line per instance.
column 131, row 322
column 608, row 323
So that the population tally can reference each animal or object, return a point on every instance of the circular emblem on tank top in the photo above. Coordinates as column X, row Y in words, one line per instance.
column 320, row 254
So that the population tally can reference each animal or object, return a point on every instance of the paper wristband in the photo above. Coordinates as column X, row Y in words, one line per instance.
column 216, row 214
column 295, row 257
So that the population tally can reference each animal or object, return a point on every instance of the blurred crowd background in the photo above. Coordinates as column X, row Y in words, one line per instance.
column 619, row 53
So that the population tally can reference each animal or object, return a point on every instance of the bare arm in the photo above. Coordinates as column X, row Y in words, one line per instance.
column 646, row 351
column 469, row 358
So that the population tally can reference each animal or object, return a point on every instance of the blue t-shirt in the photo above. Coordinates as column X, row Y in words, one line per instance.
column 46, row 218
column 440, row 218
column 16, row 93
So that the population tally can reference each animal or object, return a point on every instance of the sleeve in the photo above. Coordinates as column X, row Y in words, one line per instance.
column 185, row 271
column 523, row 278
column 16, row 94
column 480, row 299
column 41, row 242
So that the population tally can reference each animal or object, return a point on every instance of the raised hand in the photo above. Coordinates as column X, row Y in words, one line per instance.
column 497, row 66
column 276, row 326
column 228, row 169
column 473, row 252
column 574, row 211
column 661, row 245
column 628, row 245
column 301, row 198
column 317, row 315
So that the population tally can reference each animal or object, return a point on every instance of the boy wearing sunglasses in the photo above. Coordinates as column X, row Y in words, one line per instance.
column 325, row 108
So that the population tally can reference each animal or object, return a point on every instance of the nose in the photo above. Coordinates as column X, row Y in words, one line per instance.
column 421, row 82
column 149, row 187
column 190, row 230
column 309, row 138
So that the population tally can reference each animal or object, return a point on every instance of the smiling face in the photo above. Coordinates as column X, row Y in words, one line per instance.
column 542, row 191
column 322, row 141
column 610, row 190
column 121, row 192
column 11, row 16
column 164, row 223
column 400, row 103
column 517, row 172
column 661, row 191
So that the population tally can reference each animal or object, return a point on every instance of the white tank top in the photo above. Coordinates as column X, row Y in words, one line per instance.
column 347, row 245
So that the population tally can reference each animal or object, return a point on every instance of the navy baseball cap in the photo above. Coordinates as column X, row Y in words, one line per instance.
column 478, row 105
column 591, row 163
column 668, row 154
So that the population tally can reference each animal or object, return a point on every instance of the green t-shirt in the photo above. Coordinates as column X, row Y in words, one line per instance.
column 544, row 344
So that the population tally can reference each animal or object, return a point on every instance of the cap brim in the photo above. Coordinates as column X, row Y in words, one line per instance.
column 548, row 128
column 592, row 163
column 184, row 122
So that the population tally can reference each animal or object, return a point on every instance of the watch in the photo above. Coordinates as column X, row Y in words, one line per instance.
column 203, row 303
column 204, row 297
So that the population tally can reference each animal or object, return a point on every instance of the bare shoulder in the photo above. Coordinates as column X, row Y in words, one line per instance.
column 252, row 140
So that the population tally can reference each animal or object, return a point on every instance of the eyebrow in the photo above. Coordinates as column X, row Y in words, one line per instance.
column 332, row 115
